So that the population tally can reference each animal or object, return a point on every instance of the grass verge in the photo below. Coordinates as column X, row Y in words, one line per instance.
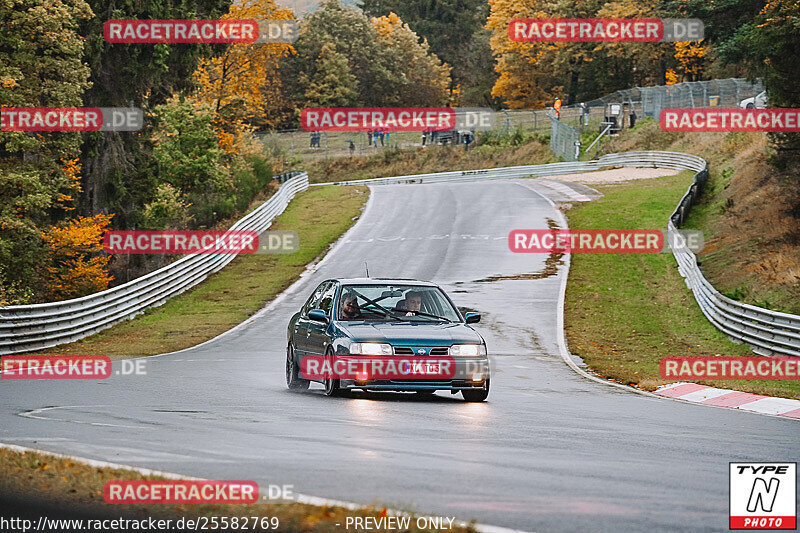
column 748, row 213
column 73, row 489
column 319, row 216
column 625, row 312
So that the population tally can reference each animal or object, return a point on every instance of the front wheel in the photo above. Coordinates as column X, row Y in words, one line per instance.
column 476, row 395
column 331, row 383
column 293, row 379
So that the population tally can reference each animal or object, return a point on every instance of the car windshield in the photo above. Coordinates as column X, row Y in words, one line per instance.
column 384, row 302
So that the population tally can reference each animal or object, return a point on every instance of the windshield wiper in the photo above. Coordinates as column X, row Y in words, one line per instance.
column 431, row 316
column 379, row 309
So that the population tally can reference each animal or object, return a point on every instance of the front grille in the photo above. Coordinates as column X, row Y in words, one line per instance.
column 405, row 350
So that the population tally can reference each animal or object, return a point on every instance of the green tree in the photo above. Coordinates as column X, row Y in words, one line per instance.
column 349, row 32
column 119, row 171
column 190, row 159
column 329, row 82
column 40, row 66
column 763, row 38
column 422, row 79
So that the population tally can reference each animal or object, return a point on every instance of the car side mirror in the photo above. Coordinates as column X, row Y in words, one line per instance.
column 472, row 318
column 318, row 315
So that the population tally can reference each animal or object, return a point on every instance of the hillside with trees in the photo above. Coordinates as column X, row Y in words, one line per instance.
column 196, row 163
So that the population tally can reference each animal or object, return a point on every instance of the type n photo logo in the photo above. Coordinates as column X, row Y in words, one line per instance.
column 763, row 496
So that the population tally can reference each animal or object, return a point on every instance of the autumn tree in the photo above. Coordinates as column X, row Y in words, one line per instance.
column 387, row 64
column 242, row 84
column 422, row 79
column 525, row 77
column 454, row 30
column 77, row 265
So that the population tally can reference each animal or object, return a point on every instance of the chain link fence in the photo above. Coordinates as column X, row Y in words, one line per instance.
column 565, row 141
column 638, row 102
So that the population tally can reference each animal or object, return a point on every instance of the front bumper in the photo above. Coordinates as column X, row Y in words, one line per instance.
column 398, row 386
column 466, row 368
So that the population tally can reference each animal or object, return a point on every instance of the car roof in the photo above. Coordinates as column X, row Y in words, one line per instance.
column 384, row 281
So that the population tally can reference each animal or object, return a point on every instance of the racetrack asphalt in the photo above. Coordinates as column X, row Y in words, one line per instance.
column 548, row 451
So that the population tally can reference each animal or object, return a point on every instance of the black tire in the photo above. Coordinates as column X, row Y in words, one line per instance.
column 751, row 106
column 331, row 384
column 293, row 379
column 476, row 395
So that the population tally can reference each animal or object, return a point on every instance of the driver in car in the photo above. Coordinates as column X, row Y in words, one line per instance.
column 413, row 302
column 350, row 309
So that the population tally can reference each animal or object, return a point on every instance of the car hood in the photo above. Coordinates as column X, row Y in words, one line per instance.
column 414, row 334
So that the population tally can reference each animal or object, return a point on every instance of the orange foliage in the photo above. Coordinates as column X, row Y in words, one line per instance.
column 691, row 58
column 75, row 270
column 243, row 84
column 72, row 170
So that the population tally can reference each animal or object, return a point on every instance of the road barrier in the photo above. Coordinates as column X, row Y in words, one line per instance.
column 767, row 332
column 25, row 328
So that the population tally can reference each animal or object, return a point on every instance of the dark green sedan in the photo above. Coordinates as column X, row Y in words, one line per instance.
column 377, row 334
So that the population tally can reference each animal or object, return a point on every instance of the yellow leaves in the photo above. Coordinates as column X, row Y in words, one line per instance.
column 75, row 270
column 242, row 84
column 386, row 25
column 76, row 237
column 672, row 78
column 690, row 56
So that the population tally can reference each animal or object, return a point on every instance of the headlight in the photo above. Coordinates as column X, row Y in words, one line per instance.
column 370, row 348
column 468, row 350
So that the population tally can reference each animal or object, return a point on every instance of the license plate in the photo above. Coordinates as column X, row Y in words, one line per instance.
column 426, row 368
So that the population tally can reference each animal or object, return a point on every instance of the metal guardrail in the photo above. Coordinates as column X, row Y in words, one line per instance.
column 767, row 332
column 630, row 159
column 25, row 328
